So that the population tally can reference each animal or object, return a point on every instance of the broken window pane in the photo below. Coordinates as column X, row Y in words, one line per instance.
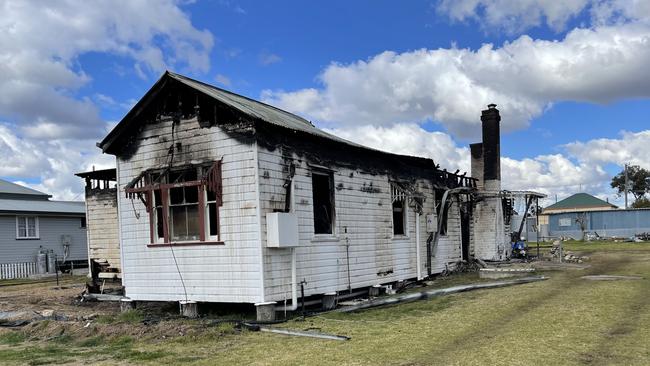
column 212, row 219
column 191, row 195
column 398, row 218
column 322, row 184
column 159, row 222
column 176, row 196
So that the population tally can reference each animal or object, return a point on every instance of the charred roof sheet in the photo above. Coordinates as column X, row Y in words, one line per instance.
column 104, row 174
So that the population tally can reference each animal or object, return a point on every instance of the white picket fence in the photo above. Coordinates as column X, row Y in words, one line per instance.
column 10, row 271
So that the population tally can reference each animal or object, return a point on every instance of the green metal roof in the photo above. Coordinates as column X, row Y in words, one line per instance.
column 578, row 201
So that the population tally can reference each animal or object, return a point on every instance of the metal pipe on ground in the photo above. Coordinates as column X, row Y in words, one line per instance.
column 296, row 333
column 440, row 292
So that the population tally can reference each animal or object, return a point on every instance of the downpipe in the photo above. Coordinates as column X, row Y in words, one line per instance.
column 294, row 286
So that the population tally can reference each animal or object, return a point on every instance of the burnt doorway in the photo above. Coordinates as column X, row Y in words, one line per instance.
column 465, row 216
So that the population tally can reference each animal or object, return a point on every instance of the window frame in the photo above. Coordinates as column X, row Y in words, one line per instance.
column 399, row 194
column 330, row 175
column 36, row 228
column 147, row 193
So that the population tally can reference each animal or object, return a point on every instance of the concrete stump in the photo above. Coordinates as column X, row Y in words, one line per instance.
column 127, row 305
column 189, row 309
column 374, row 291
column 329, row 301
column 265, row 311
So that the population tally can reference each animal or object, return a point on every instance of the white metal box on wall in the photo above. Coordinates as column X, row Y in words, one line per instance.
column 432, row 223
column 281, row 230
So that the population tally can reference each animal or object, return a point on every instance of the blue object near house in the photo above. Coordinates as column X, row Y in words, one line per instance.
column 30, row 221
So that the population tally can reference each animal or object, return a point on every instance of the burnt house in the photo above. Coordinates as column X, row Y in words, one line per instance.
column 221, row 198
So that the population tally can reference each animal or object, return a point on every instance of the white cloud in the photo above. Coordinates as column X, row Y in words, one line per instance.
column 450, row 86
column 410, row 139
column 223, row 80
column 518, row 15
column 54, row 162
column 558, row 174
column 40, row 43
column 50, row 131
column 631, row 147
column 269, row 58
column 513, row 15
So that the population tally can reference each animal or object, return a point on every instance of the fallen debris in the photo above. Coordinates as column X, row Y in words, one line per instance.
column 296, row 333
column 436, row 293
column 610, row 278
column 102, row 297
column 497, row 273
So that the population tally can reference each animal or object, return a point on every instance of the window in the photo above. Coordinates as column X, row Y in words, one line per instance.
column 82, row 222
column 398, row 218
column 443, row 214
column 182, row 203
column 400, row 198
column 323, row 195
column 27, row 227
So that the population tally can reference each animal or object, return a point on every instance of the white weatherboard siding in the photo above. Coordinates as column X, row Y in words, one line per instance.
column 101, row 218
column 362, row 205
column 212, row 273
column 491, row 243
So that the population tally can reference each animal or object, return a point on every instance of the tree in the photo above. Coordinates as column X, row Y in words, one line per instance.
column 641, row 202
column 637, row 177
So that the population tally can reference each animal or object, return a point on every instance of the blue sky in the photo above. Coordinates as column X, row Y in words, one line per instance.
column 338, row 63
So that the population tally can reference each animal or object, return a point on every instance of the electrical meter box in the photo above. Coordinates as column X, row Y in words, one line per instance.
column 281, row 230
column 432, row 223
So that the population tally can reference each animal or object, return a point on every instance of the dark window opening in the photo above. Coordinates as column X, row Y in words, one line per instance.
column 443, row 214
column 82, row 223
column 398, row 218
column 323, row 195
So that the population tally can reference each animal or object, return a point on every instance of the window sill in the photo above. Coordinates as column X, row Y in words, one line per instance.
column 185, row 244
column 28, row 238
column 401, row 237
column 325, row 238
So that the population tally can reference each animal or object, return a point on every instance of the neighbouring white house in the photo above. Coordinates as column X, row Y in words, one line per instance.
column 221, row 198
column 30, row 222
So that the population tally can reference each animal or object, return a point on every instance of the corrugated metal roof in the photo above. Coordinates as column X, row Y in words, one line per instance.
column 579, row 200
column 64, row 207
column 13, row 188
column 257, row 109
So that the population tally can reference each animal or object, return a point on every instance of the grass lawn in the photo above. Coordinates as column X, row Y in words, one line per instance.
column 563, row 321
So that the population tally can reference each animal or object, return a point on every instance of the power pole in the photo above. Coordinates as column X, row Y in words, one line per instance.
column 627, row 186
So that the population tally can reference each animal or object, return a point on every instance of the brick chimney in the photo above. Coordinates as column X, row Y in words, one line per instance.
column 491, row 148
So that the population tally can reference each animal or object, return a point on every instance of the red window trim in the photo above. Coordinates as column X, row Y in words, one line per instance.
column 213, row 180
column 185, row 244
